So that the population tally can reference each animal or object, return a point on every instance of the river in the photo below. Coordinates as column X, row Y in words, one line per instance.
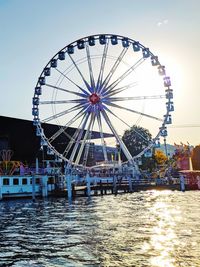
column 151, row 228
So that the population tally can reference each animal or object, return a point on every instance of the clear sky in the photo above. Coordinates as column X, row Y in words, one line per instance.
column 32, row 31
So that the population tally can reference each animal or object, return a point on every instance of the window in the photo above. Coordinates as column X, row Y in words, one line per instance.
column 24, row 181
column 6, row 181
column 15, row 181
column 37, row 181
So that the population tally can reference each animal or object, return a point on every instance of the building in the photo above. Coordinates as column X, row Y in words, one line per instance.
column 19, row 136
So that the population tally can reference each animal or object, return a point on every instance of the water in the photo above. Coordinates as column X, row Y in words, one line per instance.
column 140, row 229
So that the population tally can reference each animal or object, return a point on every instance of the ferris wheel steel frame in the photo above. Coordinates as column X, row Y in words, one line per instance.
column 94, row 98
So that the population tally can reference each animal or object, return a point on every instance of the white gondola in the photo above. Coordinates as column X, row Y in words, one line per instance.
column 35, row 101
column 169, row 94
column 145, row 52
column 170, row 106
column 35, row 111
column 136, row 46
column 163, row 131
column 125, row 42
column 91, row 41
column 168, row 119
column 70, row 49
column 148, row 153
column 154, row 61
column 47, row 72
column 81, row 44
column 102, row 39
column 157, row 144
column 49, row 151
column 38, row 90
column 42, row 80
column 61, row 55
column 167, row 81
column 161, row 70
column 54, row 63
column 114, row 40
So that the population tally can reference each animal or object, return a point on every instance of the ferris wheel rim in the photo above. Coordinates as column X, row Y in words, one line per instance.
column 74, row 44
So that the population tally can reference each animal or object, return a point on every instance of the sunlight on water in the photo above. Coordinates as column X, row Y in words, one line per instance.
column 155, row 229
column 163, row 240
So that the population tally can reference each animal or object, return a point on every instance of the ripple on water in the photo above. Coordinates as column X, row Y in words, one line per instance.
column 156, row 229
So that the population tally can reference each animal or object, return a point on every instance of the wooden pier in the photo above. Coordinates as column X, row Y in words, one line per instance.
column 108, row 188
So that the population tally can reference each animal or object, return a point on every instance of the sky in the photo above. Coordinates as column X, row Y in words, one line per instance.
column 33, row 31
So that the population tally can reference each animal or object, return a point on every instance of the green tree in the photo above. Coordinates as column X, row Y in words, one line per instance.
column 136, row 139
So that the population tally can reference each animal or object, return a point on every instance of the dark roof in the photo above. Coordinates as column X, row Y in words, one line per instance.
column 19, row 135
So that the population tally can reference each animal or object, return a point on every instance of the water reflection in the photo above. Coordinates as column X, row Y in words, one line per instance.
column 155, row 229
column 163, row 239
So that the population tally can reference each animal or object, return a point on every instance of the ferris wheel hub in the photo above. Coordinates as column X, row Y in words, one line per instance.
column 94, row 98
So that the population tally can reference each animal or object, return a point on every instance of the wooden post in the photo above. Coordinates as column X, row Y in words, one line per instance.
column 69, row 186
column 115, row 184
column 44, row 186
column 36, row 166
column 182, row 183
column 101, row 187
column 33, row 187
column 88, row 184
column 1, row 196
column 130, row 184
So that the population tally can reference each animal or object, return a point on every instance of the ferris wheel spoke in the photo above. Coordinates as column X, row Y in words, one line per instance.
column 134, row 111
column 60, row 114
column 102, row 136
column 92, row 82
column 78, row 141
column 64, row 75
column 139, row 134
column 67, row 91
column 80, row 73
column 81, row 100
column 64, row 128
column 121, row 89
column 113, row 69
column 123, row 76
column 74, row 137
column 114, row 99
column 87, row 147
column 102, row 67
column 83, row 142
column 122, row 145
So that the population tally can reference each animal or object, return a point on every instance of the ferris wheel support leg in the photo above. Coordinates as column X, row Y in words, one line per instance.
column 88, row 184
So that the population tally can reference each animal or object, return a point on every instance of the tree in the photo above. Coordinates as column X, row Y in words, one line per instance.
column 136, row 139
column 196, row 158
column 160, row 157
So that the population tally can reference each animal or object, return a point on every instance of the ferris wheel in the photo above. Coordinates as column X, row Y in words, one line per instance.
column 99, row 86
